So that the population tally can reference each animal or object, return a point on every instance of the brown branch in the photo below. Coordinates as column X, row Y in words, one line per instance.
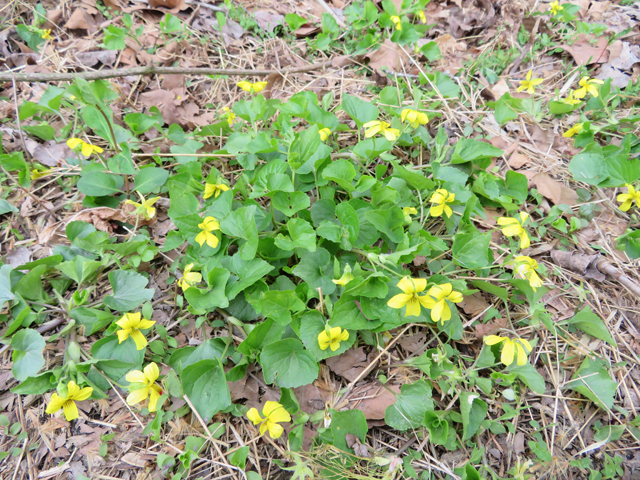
column 152, row 70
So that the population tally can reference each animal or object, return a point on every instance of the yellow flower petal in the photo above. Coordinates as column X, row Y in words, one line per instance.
column 139, row 339
column 70, row 410
column 399, row 300
column 254, row 416
column 55, row 403
column 508, row 352
column 138, row 396
column 136, row 376
column 151, row 372
column 493, row 339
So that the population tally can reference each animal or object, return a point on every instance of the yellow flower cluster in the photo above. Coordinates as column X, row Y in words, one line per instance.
column 435, row 298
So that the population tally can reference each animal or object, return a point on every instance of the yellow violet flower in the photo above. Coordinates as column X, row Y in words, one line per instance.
column 555, row 7
column 189, row 278
column 396, row 21
column 587, row 85
column 333, row 339
column 46, row 34
column 143, row 386
column 87, row 148
column 68, row 403
column 414, row 117
column 346, row 277
column 36, row 174
column 577, row 128
column 510, row 348
column 211, row 189
column 440, row 311
column 324, row 133
column 411, row 287
column 274, row 413
column 376, row 126
column 571, row 100
column 526, row 267
column 440, row 198
column 409, row 211
column 146, row 208
column 131, row 324
column 422, row 17
column 529, row 84
column 252, row 87
column 628, row 198
column 208, row 225
column 513, row 226
column 230, row 115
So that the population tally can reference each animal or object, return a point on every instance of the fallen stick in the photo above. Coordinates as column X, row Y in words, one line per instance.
column 593, row 266
column 152, row 70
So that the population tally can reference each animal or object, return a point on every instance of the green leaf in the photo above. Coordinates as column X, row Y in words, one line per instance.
column 263, row 334
column 35, row 385
column 311, row 325
column 346, row 314
column 593, row 381
column 389, row 221
column 150, row 179
column 99, row 184
column 437, row 426
column 301, row 235
column 473, row 411
column 211, row 349
column 239, row 457
column 206, row 386
column 27, row 354
column 589, row 168
column 128, row 290
column 304, row 146
column 341, row 172
column 93, row 319
column 245, row 273
column 622, row 170
column 214, row 296
column 79, row 269
column 317, row 270
column 117, row 359
column 471, row 250
column 241, row 223
column 5, row 285
column 359, row 110
column 590, row 323
column 417, row 180
column 287, row 364
column 410, row 406
column 6, row 207
column 30, row 285
column 278, row 305
column 290, row 203
column 504, row 112
column 529, row 376
column 294, row 21
column 468, row 150
column 348, row 422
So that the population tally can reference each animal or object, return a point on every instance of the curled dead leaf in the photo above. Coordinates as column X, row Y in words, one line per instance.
column 484, row 329
column 390, row 57
column 554, row 190
column 584, row 53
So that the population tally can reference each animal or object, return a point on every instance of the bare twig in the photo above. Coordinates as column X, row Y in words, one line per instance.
column 152, row 70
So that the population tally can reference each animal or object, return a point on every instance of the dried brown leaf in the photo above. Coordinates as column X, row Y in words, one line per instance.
column 554, row 190
column 584, row 53
column 484, row 329
column 391, row 57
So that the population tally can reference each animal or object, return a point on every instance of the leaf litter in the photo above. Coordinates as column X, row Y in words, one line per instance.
column 188, row 106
